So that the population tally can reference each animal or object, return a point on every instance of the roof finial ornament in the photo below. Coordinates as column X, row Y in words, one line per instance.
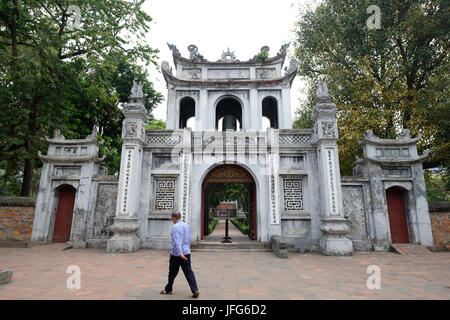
column 136, row 90
column 228, row 56
column 166, row 67
column 284, row 48
column 57, row 135
column 293, row 66
column 174, row 50
column 405, row 135
column 194, row 55
column 322, row 89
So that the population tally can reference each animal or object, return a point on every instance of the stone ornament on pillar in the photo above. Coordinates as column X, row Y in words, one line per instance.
column 134, row 135
column 334, row 225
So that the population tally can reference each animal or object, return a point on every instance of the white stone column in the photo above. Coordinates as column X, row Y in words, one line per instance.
column 171, row 113
column 201, row 111
column 284, row 110
column 334, row 224
column 253, row 115
column 133, row 135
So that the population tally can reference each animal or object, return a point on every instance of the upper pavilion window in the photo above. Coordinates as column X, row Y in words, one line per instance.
column 228, row 115
column 187, row 112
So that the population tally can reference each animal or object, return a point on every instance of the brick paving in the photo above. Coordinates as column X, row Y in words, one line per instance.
column 40, row 273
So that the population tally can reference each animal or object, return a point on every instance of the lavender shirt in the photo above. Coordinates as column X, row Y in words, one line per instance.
column 181, row 239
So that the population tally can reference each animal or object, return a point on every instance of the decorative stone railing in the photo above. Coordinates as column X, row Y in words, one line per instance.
column 294, row 137
column 235, row 139
column 283, row 138
column 163, row 138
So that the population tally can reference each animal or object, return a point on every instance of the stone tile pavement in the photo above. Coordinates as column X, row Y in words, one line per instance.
column 40, row 273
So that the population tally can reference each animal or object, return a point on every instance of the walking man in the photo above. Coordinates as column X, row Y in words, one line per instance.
column 180, row 255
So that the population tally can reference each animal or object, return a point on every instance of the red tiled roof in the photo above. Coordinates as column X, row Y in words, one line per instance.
column 226, row 206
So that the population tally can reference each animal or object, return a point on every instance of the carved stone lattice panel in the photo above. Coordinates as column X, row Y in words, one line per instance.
column 293, row 194
column 164, row 139
column 104, row 210
column 165, row 194
column 295, row 139
column 229, row 173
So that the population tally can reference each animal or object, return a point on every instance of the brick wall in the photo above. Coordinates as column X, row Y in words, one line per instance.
column 16, row 219
column 440, row 224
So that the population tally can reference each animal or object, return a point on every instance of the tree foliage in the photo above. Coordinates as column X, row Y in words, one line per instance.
column 55, row 73
column 381, row 79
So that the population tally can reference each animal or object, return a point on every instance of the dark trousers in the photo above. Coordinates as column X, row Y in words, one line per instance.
column 174, row 267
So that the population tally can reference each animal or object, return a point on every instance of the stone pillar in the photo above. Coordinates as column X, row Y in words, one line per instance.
column 423, row 215
column 254, row 114
column 133, row 135
column 201, row 111
column 172, row 112
column 334, row 224
column 284, row 110
column 379, row 207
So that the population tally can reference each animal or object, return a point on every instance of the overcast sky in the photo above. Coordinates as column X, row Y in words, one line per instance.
column 213, row 26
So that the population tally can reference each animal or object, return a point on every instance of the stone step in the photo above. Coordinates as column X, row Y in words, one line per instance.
column 230, row 250
column 202, row 245
column 410, row 249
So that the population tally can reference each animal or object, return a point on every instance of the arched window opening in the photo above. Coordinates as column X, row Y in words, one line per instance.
column 228, row 115
column 187, row 111
column 270, row 111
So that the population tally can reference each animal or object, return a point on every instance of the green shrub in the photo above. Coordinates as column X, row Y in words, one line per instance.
column 242, row 227
column 212, row 225
column 262, row 56
column 437, row 187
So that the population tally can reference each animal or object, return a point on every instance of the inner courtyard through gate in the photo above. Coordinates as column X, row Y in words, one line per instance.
column 230, row 174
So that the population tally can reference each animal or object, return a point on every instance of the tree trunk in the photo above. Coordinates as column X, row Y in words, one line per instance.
column 27, row 182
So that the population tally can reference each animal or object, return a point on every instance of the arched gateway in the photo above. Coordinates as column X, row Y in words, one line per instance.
column 293, row 176
column 230, row 173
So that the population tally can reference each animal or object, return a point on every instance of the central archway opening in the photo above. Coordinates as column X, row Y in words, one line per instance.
column 229, row 187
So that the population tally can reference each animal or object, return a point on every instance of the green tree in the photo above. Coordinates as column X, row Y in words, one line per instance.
column 381, row 79
column 55, row 73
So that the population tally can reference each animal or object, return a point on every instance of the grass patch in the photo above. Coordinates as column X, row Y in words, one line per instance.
column 212, row 225
column 240, row 225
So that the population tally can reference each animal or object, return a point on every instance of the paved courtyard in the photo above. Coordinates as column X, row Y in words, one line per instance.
column 40, row 273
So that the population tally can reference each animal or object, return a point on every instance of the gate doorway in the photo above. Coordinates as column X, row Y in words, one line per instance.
column 64, row 213
column 395, row 198
column 229, row 174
